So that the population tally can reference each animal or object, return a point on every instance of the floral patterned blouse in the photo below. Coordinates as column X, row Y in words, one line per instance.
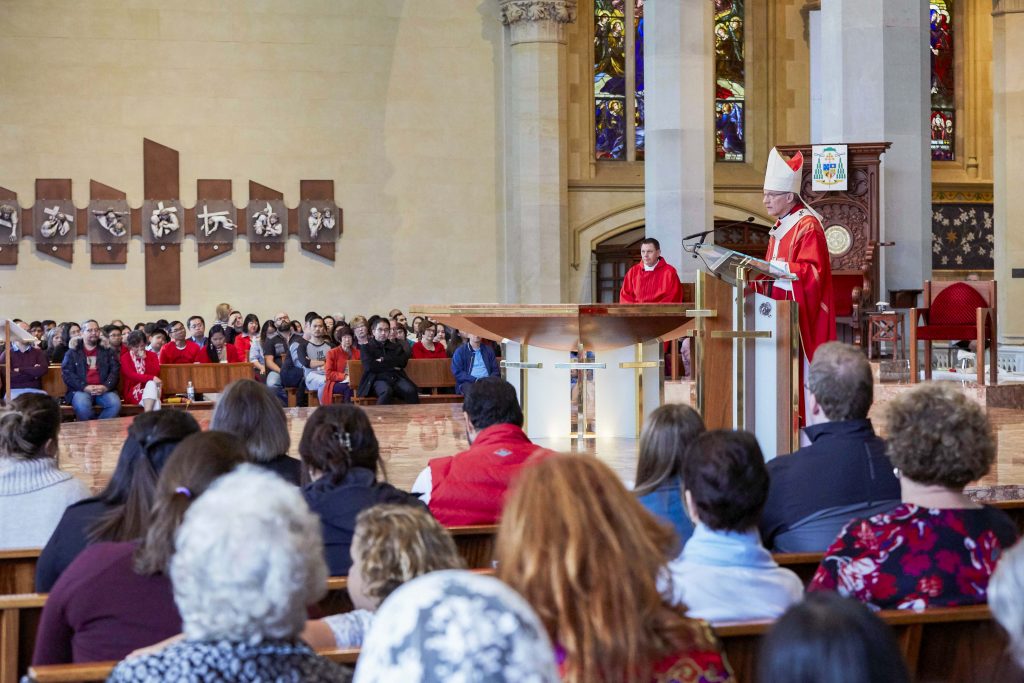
column 915, row 558
column 704, row 662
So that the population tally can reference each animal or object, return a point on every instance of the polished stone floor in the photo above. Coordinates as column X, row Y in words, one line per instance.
column 411, row 435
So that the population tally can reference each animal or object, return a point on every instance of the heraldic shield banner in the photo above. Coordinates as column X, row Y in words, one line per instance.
column 829, row 168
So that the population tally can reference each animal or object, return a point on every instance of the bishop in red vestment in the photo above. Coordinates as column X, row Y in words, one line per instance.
column 653, row 280
column 797, row 243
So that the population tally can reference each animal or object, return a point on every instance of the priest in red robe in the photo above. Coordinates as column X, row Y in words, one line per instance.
column 653, row 280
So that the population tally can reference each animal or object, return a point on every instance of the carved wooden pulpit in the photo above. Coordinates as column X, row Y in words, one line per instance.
column 626, row 343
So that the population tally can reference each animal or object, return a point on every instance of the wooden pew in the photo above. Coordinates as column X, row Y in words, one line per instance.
column 99, row 671
column 432, row 374
column 942, row 644
column 945, row 644
column 206, row 377
column 475, row 544
column 803, row 564
column 18, row 570
column 19, row 619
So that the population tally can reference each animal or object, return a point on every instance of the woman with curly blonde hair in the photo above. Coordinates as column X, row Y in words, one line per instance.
column 587, row 557
column 939, row 547
column 393, row 544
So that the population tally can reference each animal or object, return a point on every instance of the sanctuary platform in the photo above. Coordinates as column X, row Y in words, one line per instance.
column 412, row 435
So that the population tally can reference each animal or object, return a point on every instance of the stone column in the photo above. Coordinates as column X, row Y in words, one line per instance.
column 1008, row 139
column 537, row 188
column 680, row 154
column 876, row 76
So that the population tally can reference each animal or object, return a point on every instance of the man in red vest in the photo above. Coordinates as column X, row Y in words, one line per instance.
column 469, row 488
column 653, row 280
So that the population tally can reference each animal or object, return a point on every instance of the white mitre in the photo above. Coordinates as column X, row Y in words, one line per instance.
column 782, row 175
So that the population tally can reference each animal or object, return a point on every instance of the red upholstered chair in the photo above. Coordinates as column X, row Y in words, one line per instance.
column 955, row 310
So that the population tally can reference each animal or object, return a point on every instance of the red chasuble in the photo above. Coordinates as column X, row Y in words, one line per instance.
column 658, row 286
column 799, row 240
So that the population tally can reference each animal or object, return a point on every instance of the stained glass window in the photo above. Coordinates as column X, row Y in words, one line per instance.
column 943, row 111
column 730, row 81
column 618, row 70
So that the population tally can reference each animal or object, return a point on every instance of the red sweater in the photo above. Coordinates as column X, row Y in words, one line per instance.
column 134, row 381
column 420, row 351
column 469, row 488
column 658, row 286
column 171, row 354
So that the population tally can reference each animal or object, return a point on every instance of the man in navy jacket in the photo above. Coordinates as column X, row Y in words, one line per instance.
column 91, row 371
column 472, row 361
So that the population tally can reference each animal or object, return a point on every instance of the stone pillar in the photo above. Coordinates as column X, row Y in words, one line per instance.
column 537, row 188
column 1008, row 139
column 679, row 166
column 876, row 75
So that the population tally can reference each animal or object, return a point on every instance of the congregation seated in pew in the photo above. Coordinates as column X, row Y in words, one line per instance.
column 938, row 548
column 723, row 572
column 33, row 491
column 828, row 638
column 341, row 460
column 117, row 597
column 843, row 472
column 91, row 371
column 456, row 626
column 251, row 412
column 247, row 561
column 587, row 556
column 470, row 487
column 384, row 364
column 121, row 511
column 665, row 437
column 392, row 545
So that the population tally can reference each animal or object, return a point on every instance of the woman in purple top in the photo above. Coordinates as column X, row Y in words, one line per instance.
column 117, row 597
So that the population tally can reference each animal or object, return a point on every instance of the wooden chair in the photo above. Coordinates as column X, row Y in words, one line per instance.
column 956, row 311
column 853, row 291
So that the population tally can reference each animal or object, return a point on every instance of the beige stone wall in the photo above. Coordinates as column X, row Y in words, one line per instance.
column 397, row 101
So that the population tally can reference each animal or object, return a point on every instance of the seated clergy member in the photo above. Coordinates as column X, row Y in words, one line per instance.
column 724, row 573
column 141, row 371
column 843, row 473
column 384, row 364
column 939, row 547
column 247, row 561
column 469, row 488
column 652, row 280
column 91, row 372
column 472, row 362
column 179, row 351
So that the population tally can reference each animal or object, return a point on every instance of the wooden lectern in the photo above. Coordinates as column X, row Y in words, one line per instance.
column 626, row 342
column 746, row 350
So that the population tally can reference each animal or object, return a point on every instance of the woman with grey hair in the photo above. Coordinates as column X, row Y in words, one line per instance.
column 456, row 625
column 248, row 560
column 939, row 547
column 248, row 410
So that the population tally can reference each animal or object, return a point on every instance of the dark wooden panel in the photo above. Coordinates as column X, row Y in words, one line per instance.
column 265, row 253
column 163, row 274
column 163, row 262
column 160, row 167
column 106, row 254
column 211, row 189
column 9, row 250
column 53, row 188
column 322, row 249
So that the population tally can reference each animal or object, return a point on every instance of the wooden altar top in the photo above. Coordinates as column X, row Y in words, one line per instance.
column 598, row 327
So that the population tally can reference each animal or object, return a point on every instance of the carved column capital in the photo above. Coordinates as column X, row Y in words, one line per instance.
column 537, row 21
column 1001, row 7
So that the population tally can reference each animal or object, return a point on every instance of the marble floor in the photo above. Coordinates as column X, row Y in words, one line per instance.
column 411, row 435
